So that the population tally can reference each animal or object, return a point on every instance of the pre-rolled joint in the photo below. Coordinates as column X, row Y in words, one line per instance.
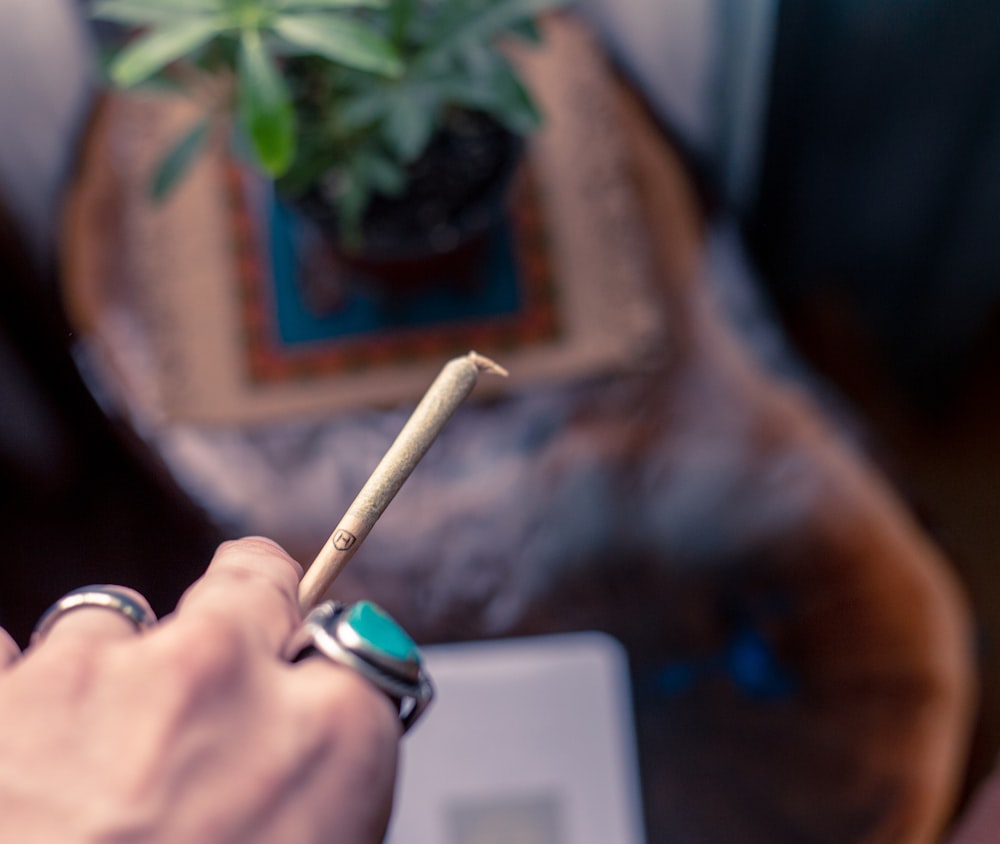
column 455, row 381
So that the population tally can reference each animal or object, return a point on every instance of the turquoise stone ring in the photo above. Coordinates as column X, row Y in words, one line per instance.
column 377, row 629
column 365, row 637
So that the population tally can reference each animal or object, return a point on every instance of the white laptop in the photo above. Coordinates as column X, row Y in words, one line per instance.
column 529, row 741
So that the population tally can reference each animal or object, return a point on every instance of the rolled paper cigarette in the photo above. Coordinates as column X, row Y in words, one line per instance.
column 453, row 383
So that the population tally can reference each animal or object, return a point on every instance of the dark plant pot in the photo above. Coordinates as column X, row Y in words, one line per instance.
column 457, row 267
column 437, row 234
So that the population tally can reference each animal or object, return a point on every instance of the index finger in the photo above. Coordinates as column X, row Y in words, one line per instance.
column 252, row 585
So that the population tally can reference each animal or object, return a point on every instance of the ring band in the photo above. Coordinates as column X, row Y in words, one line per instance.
column 126, row 602
column 365, row 638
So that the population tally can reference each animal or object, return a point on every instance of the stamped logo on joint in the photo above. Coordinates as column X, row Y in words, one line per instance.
column 343, row 540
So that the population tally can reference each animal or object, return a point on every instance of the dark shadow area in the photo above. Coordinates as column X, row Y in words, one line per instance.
column 880, row 184
column 81, row 498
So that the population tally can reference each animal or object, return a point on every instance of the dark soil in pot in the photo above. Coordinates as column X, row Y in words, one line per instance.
column 438, row 231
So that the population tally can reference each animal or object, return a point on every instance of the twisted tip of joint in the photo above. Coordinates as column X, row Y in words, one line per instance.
column 484, row 364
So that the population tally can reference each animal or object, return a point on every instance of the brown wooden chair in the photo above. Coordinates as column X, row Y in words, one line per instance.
column 858, row 619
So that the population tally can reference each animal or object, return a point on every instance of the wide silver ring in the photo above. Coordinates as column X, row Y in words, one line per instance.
column 330, row 630
column 126, row 602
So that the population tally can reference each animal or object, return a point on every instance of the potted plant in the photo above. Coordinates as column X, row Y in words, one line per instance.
column 394, row 123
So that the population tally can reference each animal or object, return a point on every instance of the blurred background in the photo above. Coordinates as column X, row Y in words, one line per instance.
column 857, row 144
column 849, row 150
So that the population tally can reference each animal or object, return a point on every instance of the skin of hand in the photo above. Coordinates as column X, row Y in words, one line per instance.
column 197, row 730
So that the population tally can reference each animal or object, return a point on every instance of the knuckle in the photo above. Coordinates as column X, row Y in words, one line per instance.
column 243, row 572
column 250, row 574
column 203, row 652
column 269, row 586
column 72, row 666
column 255, row 546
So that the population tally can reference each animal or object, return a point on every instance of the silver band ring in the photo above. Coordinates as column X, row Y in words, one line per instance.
column 126, row 602
column 364, row 638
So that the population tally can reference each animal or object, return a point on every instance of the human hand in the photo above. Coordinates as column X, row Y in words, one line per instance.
column 196, row 730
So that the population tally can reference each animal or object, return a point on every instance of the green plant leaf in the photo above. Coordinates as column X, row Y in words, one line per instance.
column 342, row 40
column 493, row 87
column 134, row 13
column 150, row 11
column 486, row 22
column 385, row 175
column 362, row 110
column 189, row 5
column 312, row 160
column 178, row 161
column 308, row 5
column 515, row 107
column 265, row 108
column 148, row 54
column 528, row 31
column 474, row 57
column 409, row 124
column 401, row 13
column 162, row 83
column 353, row 201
